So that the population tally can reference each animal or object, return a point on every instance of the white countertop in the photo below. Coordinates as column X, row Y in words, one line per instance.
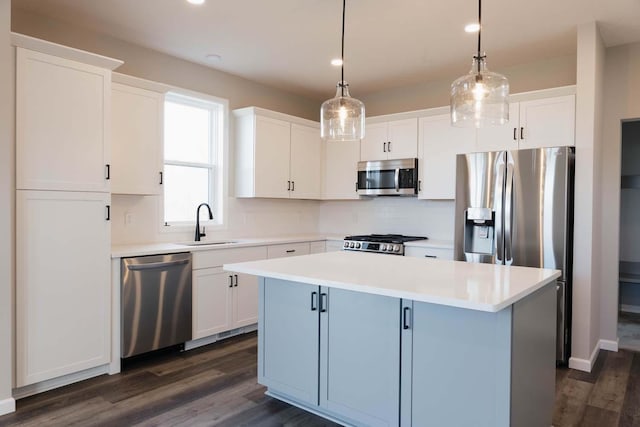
column 484, row 287
column 142, row 249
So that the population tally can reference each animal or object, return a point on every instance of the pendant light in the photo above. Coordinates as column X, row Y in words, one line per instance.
column 342, row 117
column 481, row 97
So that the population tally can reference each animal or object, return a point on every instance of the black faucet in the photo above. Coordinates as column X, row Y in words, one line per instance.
column 198, row 233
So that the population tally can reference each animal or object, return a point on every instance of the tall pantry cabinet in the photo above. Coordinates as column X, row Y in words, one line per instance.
column 62, row 210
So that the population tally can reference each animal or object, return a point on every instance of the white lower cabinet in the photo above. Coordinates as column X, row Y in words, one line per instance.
column 62, row 283
column 317, row 247
column 223, row 301
column 439, row 253
column 288, row 249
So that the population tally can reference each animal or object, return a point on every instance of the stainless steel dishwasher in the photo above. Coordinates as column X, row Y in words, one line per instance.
column 156, row 302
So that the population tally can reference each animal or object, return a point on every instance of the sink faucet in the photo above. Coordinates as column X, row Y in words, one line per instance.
column 198, row 233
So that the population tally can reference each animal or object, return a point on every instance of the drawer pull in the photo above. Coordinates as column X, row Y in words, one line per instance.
column 290, row 251
column 430, row 256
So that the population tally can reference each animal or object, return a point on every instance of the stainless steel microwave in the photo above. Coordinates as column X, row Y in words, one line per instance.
column 388, row 177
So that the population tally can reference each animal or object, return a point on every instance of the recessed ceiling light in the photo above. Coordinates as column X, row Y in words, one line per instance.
column 213, row 57
column 472, row 28
column 336, row 62
column 196, row 1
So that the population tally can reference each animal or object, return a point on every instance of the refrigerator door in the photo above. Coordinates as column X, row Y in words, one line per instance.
column 479, row 233
column 537, row 204
column 562, row 329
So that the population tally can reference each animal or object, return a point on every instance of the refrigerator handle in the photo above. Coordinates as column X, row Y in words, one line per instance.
column 499, row 220
column 508, row 215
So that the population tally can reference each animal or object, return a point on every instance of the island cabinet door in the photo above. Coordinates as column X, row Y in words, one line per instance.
column 288, row 358
column 359, row 357
column 456, row 366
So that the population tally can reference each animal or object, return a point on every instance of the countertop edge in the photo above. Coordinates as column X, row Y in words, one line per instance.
column 124, row 251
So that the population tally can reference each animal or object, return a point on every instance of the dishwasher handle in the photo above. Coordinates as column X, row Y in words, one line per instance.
column 157, row 265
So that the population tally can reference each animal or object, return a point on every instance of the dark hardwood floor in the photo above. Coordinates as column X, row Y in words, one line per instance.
column 216, row 385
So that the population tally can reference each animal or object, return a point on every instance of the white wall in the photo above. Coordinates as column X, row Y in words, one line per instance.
column 7, row 95
column 586, row 266
column 621, row 102
column 552, row 72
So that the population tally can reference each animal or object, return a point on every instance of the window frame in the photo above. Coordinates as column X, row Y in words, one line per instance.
column 217, row 165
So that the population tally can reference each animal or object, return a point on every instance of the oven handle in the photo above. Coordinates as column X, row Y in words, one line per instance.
column 397, row 180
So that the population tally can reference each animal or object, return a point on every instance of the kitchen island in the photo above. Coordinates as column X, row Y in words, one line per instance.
column 372, row 340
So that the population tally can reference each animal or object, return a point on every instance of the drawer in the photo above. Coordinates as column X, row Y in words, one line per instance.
column 290, row 249
column 440, row 253
column 317, row 247
column 218, row 257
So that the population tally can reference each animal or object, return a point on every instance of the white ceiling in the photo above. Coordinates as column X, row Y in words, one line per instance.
column 289, row 43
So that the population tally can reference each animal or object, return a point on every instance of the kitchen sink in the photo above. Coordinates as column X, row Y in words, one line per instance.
column 205, row 243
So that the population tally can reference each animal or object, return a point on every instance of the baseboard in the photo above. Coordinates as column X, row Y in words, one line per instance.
column 585, row 364
column 31, row 389
column 7, row 406
column 190, row 345
column 609, row 345
column 630, row 308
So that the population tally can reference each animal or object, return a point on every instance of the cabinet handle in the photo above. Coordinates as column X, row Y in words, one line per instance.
column 108, row 213
column 419, row 185
column 356, row 187
column 235, row 276
column 406, row 318
column 430, row 256
column 522, row 133
column 515, row 134
column 290, row 251
column 161, row 176
column 384, row 147
column 288, row 185
column 293, row 186
column 323, row 303
column 108, row 171
column 314, row 301
column 389, row 146
column 230, row 281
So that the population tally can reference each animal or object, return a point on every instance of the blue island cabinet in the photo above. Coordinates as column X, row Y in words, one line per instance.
column 331, row 351
column 474, row 368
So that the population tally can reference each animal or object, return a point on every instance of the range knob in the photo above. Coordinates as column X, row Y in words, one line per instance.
column 396, row 248
column 346, row 244
column 383, row 247
column 357, row 245
column 352, row 245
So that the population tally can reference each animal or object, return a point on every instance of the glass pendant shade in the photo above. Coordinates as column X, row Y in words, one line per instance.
column 480, row 98
column 342, row 117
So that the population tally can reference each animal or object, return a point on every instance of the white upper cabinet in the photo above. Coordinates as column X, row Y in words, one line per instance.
column 397, row 139
column 306, row 162
column 548, row 122
column 440, row 142
column 277, row 155
column 136, row 140
column 340, row 169
column 62, row 124
column 545, row 122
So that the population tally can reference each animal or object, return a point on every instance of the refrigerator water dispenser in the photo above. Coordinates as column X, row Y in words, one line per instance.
column 479, row 231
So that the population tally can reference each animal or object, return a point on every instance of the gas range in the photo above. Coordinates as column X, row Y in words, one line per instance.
column 389, row 244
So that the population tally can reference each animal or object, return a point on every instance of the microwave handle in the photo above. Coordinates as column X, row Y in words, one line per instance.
column 397, row 180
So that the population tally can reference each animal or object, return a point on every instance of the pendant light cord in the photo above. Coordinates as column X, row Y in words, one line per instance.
column 479, row 33
column 344, row 7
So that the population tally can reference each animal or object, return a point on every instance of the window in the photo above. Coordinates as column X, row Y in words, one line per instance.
column 193, row 147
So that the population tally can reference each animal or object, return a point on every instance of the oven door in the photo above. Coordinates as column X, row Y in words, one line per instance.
column 388, row 178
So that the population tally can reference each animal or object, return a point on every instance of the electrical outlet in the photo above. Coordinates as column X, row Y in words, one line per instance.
column 128, row 218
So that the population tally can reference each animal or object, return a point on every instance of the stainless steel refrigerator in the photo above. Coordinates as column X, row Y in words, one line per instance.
column 516, row 208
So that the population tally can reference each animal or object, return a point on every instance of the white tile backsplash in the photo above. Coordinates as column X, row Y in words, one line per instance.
column 136, row 220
